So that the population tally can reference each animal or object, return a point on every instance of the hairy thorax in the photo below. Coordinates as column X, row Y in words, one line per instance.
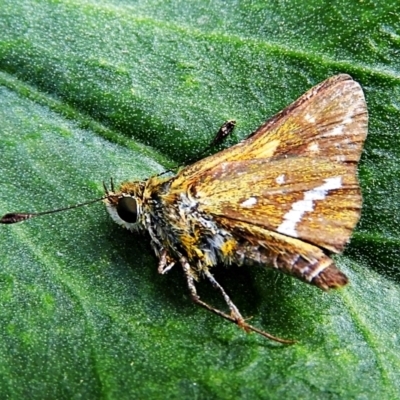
column 189, row 232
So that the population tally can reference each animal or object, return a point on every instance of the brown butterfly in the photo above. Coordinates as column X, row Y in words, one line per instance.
column 286, row 197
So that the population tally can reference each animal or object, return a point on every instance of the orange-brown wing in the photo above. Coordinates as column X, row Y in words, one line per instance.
column 329, row 121
column 315, row 200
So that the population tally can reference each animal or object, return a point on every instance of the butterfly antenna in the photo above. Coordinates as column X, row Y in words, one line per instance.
column 12, row 218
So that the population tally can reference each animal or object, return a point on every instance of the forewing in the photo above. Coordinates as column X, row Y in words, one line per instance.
column 315, row 200
column 329, row 121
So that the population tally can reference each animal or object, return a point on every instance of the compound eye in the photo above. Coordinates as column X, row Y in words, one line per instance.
column 127, row 209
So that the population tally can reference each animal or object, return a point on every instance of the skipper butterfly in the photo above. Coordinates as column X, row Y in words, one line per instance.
column 286, row 197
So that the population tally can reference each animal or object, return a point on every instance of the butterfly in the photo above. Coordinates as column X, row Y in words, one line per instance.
column 286, row 197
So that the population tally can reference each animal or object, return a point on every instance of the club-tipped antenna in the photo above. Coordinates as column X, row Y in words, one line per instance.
column 12, row 218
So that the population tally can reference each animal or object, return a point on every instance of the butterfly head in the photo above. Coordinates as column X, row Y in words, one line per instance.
column 125, row 204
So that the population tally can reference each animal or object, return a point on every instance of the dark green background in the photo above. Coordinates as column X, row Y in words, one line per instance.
column 94, row 89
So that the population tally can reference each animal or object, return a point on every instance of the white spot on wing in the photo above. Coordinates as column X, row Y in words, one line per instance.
column 336, row 131
column 347, row 120
column 299, row 208
column 250, row 202
column 309, row 118
column 280, row 179
column 313, row 147
column 341, row 158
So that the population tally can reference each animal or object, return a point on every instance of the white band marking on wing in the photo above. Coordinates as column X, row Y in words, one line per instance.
column 299, row 208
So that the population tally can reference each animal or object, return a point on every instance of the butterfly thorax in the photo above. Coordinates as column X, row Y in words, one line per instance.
column 177, row 225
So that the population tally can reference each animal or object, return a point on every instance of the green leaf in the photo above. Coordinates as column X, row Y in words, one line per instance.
column 91, row 90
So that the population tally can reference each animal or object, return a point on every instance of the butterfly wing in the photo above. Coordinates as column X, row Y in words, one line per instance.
column 289, row 192
column 314, row 200
column 329, row 121
column 296, row 174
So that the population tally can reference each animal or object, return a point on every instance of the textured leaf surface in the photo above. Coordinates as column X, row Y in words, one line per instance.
column 94, row 89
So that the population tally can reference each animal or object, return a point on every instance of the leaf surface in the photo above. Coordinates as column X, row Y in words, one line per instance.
column 96, row 89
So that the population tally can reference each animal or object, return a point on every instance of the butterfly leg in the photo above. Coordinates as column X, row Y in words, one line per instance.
column 165, row 263
column 193, row 292
column 224, row 131
column 235, row 313
column 235, row 316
